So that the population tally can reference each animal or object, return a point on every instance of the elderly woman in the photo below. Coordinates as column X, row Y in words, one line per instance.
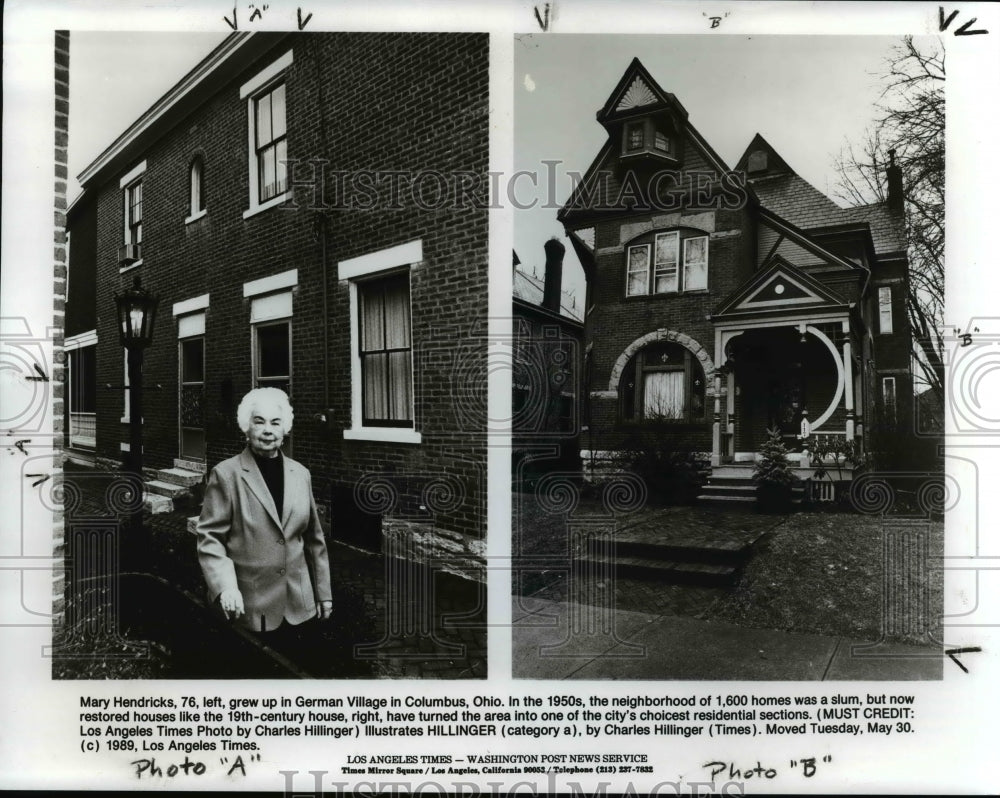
column 260, row 543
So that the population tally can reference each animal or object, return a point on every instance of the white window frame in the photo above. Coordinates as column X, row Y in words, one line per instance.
column 250, row 91
column 629, row 271
column 683, row 266
column 126, row 183
column 885, row 310
column 405, row 256
column 677, row 264
column 651, row 265
column 75, row 343
column 196, row 190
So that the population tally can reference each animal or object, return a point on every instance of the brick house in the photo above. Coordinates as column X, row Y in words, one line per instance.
column 721, row 303
column 80, row 344
column 290, row 201
column 546, row 379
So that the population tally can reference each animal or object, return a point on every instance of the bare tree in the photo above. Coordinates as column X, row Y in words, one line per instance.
column 910, row 128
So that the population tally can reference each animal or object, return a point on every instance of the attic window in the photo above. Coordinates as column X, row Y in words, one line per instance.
column 634, row 137
column 661, row 142
column 757, row 162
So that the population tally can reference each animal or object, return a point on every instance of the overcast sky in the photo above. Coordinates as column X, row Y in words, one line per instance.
column 807, row 95
column 115, row 77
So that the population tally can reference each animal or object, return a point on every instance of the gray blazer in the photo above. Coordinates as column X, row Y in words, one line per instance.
column 281, row 565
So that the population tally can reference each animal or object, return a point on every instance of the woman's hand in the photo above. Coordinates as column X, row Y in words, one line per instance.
column 232, row 603
column 324, row 610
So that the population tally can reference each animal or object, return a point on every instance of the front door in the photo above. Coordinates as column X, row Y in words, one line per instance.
column 192, row 398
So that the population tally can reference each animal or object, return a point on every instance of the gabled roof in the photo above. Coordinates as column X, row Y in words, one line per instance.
column 775, row 164
column 784, row 193
column 638, row 90
column 237, row 51
column 531, row 290
column 780, row 288
column 640, row 93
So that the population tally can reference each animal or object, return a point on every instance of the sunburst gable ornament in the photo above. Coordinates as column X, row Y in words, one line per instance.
column 638, row 95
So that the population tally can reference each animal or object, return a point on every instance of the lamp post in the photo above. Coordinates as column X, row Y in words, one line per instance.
column 136, row 315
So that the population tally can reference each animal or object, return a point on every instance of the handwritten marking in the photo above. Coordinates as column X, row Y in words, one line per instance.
column 543, row 24
column 42, row 376
column 304, row 22
column 232, row 24
column 44, row 477
column 963, row 30
column 951, row 652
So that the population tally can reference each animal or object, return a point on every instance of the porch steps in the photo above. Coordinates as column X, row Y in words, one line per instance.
column 170, row 484
column 732, row 486
column 180, row 476
column 156, row 504
column 168, row 489
column 642, row 555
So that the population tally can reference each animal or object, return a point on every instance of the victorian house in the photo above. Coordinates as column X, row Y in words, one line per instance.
column 722, row 303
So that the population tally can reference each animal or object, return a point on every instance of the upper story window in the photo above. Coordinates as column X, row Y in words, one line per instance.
column 130, row 254
column 885, row 309
column 271, row 147
column 649, row 136
column 267, row 136
column 196, row 190
column 668, row 263
column 133, row 221
column 634, row 136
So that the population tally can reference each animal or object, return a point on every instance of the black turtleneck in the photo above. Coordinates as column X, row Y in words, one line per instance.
column 273, row 471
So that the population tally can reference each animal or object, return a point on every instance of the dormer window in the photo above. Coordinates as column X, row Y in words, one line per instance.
column 757, row 162
column 649, row 136
column 634, row 136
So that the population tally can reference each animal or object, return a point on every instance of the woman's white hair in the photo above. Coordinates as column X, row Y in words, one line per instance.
column 249, row 403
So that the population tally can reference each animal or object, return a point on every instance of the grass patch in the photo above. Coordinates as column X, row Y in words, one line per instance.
column 836, row 574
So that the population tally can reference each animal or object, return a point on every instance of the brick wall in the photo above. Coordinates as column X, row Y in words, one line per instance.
column 363, row 102
column 58, row 377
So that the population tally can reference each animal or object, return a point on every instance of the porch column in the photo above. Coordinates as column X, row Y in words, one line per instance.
column 731, row 413
column 848, row 382
column 717, row 422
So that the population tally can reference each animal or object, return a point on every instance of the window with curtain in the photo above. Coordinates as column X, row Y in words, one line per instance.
column 385, row 351
column 270, row 142
column 664, row 382
column 667, row 263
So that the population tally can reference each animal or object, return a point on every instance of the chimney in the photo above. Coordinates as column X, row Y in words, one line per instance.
column 554, row 251
column 894, row 181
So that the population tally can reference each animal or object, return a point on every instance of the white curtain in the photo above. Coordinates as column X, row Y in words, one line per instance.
column 663, row 394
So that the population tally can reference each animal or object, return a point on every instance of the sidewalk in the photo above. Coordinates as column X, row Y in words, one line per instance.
column 567, row 640
column 391, row 619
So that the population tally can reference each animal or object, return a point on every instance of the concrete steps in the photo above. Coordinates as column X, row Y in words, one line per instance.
column 704, row 560
column 732, row 486
column 170, row 484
